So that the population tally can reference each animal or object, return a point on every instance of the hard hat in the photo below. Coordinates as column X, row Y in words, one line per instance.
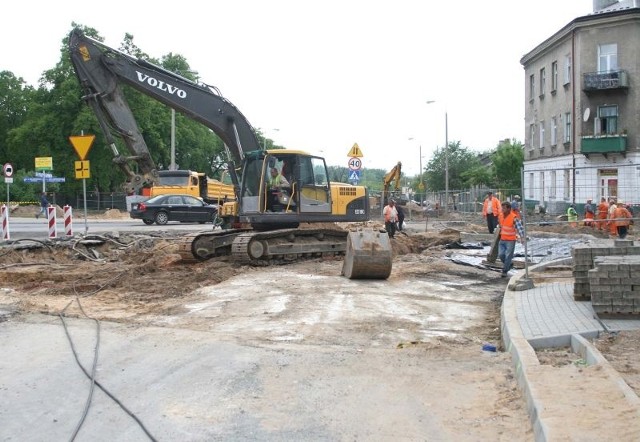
column 620, row 202
column 589, row 199
column 516, row 196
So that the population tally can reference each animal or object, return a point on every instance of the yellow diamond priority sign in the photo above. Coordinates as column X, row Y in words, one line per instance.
column 82, row 144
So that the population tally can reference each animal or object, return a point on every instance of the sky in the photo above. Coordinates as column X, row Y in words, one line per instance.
column 322, row 75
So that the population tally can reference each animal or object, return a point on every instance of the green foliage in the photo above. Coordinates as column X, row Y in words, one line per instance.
column 459, row 159
column 507, row 164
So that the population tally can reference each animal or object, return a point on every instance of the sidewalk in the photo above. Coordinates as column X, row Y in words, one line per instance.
column 565, row 403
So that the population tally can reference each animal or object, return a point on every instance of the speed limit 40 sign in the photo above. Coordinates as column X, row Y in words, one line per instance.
column 355, row 163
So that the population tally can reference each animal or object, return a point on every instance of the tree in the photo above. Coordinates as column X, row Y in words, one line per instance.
column 459, row 160
column 507, row 164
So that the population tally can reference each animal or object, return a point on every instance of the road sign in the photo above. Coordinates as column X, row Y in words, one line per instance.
column 355, row 163
column 8, row 180
column 7, row 169
column 82, row 144
column 354, row 175
column 355, row 151
column 32, row 179
column 44, row 163
column 82, row 170
column 421, row 185
column 44, row 174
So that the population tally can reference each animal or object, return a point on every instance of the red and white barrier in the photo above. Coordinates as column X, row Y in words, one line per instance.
column 68, row 221
column 4, row 222
column 51, row 217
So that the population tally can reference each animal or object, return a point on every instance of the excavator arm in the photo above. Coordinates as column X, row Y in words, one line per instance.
column 101, row 70
column 393, row 176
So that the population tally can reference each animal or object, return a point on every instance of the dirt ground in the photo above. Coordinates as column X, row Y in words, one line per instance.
column 140, row 279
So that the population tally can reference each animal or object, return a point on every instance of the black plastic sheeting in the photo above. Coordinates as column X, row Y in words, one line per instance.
column 538, row 249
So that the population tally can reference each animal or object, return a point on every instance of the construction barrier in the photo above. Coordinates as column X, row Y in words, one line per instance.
column 4, row 222
column 68, row 221
column 51, row 217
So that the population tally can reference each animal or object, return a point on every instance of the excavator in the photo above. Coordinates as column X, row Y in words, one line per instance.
column 393, row 176
column 262, row 225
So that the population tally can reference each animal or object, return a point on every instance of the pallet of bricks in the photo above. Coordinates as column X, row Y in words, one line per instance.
column 608, row 276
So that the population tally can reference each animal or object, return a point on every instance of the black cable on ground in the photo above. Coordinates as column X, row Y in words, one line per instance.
column 91, row 376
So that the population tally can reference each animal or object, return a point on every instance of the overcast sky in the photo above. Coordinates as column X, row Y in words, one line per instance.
column 327, row 74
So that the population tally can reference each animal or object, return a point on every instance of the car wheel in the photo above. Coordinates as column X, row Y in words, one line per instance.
column 162, row 218
column 147, row 221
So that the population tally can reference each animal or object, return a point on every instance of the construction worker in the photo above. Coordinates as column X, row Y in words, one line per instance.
column 589, row 215
column 515, row 206
column 622, row 219
column 390, row 218
column 602, row 213
column 613, row 229
column 491, row 211
column 510, row 230
column 572, row 215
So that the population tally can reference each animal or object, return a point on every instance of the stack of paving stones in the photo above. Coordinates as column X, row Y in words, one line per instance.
column 583, row 261
column 615, row 285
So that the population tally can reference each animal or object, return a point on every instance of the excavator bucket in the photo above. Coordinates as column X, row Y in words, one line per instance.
column 368, row 255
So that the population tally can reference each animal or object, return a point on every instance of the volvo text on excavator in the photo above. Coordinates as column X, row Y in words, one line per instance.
column 262, row 224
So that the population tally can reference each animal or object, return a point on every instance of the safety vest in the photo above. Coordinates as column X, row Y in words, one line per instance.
column 495, row 204
column 275, row 181
column 622, row 215
column 508, row 228
column 572, row 215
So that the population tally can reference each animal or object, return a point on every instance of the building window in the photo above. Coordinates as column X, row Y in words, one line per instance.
column 554, row 76
column 531, row 185
column 543, row 80
column 554, row 131
column 532, row 87
column 541, row 145
column 567, row 69
column 532, row 134
column 567, row 184
column 552, row 187
column 608, row 57
column 607, row 120
column 567, row 128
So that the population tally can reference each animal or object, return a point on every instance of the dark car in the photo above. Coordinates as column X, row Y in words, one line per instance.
column 184, row 208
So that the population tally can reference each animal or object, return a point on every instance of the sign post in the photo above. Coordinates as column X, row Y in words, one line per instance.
column 42, row 165
column 355, row 163
column 7, row 169
column 82, row 144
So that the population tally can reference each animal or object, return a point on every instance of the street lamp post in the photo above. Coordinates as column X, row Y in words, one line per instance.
column 172, row 166
column 446, row 159
column 446, row 163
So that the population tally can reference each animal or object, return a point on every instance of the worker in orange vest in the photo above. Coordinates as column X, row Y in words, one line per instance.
column 613, row 229
column 602, row 213
column 622, row 219
column 510, row 230
column 491, row 211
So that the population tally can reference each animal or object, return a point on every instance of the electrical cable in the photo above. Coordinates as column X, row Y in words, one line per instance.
column 91, row 376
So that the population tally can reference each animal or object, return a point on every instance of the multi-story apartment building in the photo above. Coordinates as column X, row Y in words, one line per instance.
column 582, row 110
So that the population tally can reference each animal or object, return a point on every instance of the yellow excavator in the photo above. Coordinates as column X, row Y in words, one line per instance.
column 393, row 176
column 261, row 225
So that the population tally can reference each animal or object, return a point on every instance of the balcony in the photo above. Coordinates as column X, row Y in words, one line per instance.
column 603, row 81
column 603, row 145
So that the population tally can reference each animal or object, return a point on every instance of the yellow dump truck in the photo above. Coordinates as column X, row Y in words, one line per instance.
column 193, row 183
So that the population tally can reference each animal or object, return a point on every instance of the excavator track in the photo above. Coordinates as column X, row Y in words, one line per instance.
column 206, row 245
column 287, row 245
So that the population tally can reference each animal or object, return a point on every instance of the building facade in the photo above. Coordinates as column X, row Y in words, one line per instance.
column 582, row 110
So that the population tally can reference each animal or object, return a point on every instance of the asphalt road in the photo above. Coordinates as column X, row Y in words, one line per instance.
column 32, row 228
